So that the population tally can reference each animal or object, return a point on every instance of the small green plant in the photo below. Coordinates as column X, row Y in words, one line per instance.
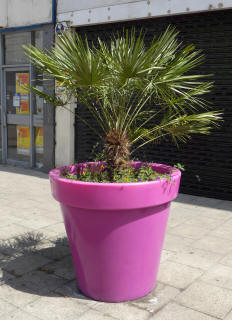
column 179, row 166
column 98, row 172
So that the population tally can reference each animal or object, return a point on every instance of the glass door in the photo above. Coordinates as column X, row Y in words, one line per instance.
column 18, row 115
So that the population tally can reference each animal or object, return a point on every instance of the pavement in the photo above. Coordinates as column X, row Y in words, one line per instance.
column 37, row 280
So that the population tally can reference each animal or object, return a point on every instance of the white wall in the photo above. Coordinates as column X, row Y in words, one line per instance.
column 90, row 12
column 70, row 5
column 65, row 135
column 3, row 13
column 16, row 13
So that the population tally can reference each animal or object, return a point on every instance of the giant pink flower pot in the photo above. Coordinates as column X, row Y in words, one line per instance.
column 116, row 232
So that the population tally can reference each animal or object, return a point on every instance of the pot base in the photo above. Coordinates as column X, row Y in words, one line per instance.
column 116, row 253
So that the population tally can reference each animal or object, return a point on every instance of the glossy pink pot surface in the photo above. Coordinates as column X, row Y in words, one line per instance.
column 116, row 232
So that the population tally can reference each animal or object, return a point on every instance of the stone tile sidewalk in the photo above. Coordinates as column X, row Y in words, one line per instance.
column 37, row 280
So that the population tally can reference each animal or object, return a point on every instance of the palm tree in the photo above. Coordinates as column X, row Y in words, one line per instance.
column 136, row 94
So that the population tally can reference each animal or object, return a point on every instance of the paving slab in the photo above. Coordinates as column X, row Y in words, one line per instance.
column 176, row 243
column 156, row 299
column 189, row 231
column 206, row 298
column 37, row 280
column 224, row 231
column 63, row 268
column 5, row 307
column 214, row 244
column 15, row 295
column 195, row 258
column 173, row 311
column 227, row 260
column 13, row 230
column 56, row 308
column 125, row 311
column 95, row 315
column 177, row 275
column 219, row 275
column 20, row 314
column 25, row 263
column 70, row 290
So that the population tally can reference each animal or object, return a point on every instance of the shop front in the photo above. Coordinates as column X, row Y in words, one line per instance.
column 26, row 121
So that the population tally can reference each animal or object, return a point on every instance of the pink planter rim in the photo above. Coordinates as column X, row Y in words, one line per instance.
column 115, row 196
column 55, row 174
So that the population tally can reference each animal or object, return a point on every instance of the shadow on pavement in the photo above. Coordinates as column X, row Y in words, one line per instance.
column 24, row 171
column 38, row 266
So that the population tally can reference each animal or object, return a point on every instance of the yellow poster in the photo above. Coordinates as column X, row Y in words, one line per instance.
column 21, row 80
column 23, row 133
column 39, row 139
column 23, row 140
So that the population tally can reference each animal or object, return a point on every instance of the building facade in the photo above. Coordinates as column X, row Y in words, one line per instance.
column 26, row 122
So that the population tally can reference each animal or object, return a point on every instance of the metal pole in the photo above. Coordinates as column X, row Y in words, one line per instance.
column 3, row 103
column 32, row 107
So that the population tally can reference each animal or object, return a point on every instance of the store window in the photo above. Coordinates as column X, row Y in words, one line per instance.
column 14, row 52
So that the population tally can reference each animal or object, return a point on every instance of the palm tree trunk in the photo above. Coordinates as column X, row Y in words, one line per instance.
column 117, row 149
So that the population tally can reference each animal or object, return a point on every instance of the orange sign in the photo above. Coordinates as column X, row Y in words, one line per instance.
column 21, row 80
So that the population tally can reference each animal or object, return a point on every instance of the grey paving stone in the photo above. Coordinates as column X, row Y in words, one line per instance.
column 6, row 210
column 166, row 255
column 183, row 256
column 173, row 311
column 63, row 268
column 13, row 230
column 40, row 282
column 71, row 290
column 5, row 308
column 219, row 275
column 51, row 205
column 37, row 222
column 20, row 315
column 23, row 203
column 156, row 299
column 56, row 308
column 225, row 205
column 212, row 300
column 15, row 295
column 214, row 244
column 177, row 275
column 177, row 216
column 196, row 258
column 4, row 202
column 24, row 243
column 206, row 202
column 176, row 243
column 215, row 213
column 224, row 231
column 53, row 231
column 6, row 219
column 204, row 222
column 189, row 231
column 229, row 316
column 95, row 315
column 227, row 260
column 5, row 277
column 25, row 263
column 121, row 311
column 53, row 252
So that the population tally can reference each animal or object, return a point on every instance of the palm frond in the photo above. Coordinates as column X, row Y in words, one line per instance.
column 134, row 90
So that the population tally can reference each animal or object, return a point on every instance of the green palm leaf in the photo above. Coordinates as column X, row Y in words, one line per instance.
column 138, row 93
